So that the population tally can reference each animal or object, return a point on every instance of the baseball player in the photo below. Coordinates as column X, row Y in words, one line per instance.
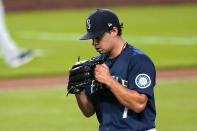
column 12, row 56
column 124, row 101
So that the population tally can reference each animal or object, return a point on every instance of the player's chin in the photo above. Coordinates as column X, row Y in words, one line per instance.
column 100, row 51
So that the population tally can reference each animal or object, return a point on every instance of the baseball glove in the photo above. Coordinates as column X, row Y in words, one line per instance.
column 82, row 76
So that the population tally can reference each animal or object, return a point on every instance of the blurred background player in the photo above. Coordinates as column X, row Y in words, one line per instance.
column 11, row 54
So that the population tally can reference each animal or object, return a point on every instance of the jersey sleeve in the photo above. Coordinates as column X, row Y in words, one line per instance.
column 87, row 92
column 141, row 77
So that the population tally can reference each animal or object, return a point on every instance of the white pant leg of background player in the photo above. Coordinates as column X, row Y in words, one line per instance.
column 8, row 46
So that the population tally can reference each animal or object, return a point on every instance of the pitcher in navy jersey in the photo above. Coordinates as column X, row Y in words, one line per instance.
column 125, row 100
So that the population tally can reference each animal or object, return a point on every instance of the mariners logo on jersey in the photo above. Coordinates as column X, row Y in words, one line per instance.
column 143, row 81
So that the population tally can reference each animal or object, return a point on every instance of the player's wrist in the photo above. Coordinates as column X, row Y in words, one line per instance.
column 80, row 93
column 109, row 81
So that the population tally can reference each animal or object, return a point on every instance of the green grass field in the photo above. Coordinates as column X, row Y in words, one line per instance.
column 49, row 109
column 168, row 34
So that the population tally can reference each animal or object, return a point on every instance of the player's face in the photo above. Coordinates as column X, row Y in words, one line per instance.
column 103, row 43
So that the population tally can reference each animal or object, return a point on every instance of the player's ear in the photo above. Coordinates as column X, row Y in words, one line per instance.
column 114, row 31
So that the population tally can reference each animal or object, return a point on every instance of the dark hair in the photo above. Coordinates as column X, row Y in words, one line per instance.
column 119, row 29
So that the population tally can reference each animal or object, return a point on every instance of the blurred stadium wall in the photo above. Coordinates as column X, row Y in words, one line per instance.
column 25, row 5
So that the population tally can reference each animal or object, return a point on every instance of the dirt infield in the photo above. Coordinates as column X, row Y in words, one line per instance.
column 55, row 81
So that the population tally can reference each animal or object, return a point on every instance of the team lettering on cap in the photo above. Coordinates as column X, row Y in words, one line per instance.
column 88, row 24
column 143, row 81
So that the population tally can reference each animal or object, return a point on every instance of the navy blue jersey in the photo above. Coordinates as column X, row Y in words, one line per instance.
column 134, row 70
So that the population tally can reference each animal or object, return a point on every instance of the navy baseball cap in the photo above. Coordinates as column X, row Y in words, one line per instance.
column 99, row 22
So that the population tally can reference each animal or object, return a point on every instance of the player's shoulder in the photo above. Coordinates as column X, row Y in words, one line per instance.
column 134, row 51
column 135, row 55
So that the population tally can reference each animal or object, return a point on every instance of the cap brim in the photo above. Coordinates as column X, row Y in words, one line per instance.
column 92, row 35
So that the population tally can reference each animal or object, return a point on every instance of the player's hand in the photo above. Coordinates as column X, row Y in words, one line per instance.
column 102, row 73
column 69, row 70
